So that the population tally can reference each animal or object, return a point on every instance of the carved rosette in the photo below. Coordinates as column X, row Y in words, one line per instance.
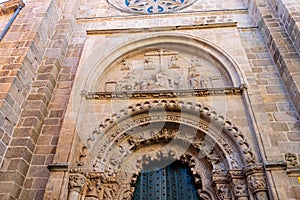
column 291, row 159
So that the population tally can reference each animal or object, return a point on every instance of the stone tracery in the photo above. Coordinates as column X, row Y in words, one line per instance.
column 150, row 6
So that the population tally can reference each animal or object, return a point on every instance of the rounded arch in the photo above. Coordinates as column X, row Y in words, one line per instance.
column 197, row 117
column 185, row 42
column 193, row 133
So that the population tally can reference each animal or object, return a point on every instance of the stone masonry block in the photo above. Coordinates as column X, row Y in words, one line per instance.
column 279, row 126
column 19, row 152
column 10, row 188
column 26, row 142
column 38, row 171
column 21, row 132
column 20, row 165
column 294, row 136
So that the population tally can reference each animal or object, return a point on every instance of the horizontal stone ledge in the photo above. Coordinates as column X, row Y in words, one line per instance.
column 162, row 93
column 164, row 28
column 275, row 165
column 293, row 171
column 58, row 167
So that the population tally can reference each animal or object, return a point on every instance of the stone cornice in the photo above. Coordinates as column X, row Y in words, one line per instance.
column 163, row 93
column 165, row 28
column 10, row 6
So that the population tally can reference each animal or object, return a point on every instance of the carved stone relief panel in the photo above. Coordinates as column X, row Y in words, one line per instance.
column 162, row 69
column 291, row 159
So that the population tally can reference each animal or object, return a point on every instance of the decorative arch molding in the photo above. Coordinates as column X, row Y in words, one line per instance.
column 125, row 144
column 198, row 117
column 177, row 41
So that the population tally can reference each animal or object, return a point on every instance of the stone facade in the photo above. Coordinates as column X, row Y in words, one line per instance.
column 93, row 92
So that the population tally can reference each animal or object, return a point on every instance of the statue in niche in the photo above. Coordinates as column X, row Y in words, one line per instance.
column 128, row 83
column 172, row 62
column 125, row 65
column 148, row 63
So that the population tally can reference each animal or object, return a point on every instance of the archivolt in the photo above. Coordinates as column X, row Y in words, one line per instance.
column 121, row 127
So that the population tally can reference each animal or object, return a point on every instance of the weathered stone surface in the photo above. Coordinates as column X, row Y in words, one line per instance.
column 56, row 49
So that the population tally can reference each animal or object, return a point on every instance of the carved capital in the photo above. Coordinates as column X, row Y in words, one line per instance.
column 239, row 188
column 76, row 182
column 223, row 191
column 256, row 183
column 251, row 169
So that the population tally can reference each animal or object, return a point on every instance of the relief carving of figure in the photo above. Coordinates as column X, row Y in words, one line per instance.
column 93, row 189
column 172, row 62
column 148, row 63
column 125, row 65
column 129, row 82
column 239, row 188
column 109, row 192
column 222, row 191
column 163, row 80
column 193, row 77
column 257, row 183
column 204, row 82
column 76, row 182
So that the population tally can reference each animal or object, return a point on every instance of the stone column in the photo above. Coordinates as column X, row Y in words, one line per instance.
column 256, row 181
column 238, row 184
column 76, row 183
column 220, row 183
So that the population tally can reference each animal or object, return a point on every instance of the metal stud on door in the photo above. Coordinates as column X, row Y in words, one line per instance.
column 170, row 183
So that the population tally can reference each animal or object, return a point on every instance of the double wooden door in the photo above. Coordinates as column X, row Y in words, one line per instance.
column 174, row 182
